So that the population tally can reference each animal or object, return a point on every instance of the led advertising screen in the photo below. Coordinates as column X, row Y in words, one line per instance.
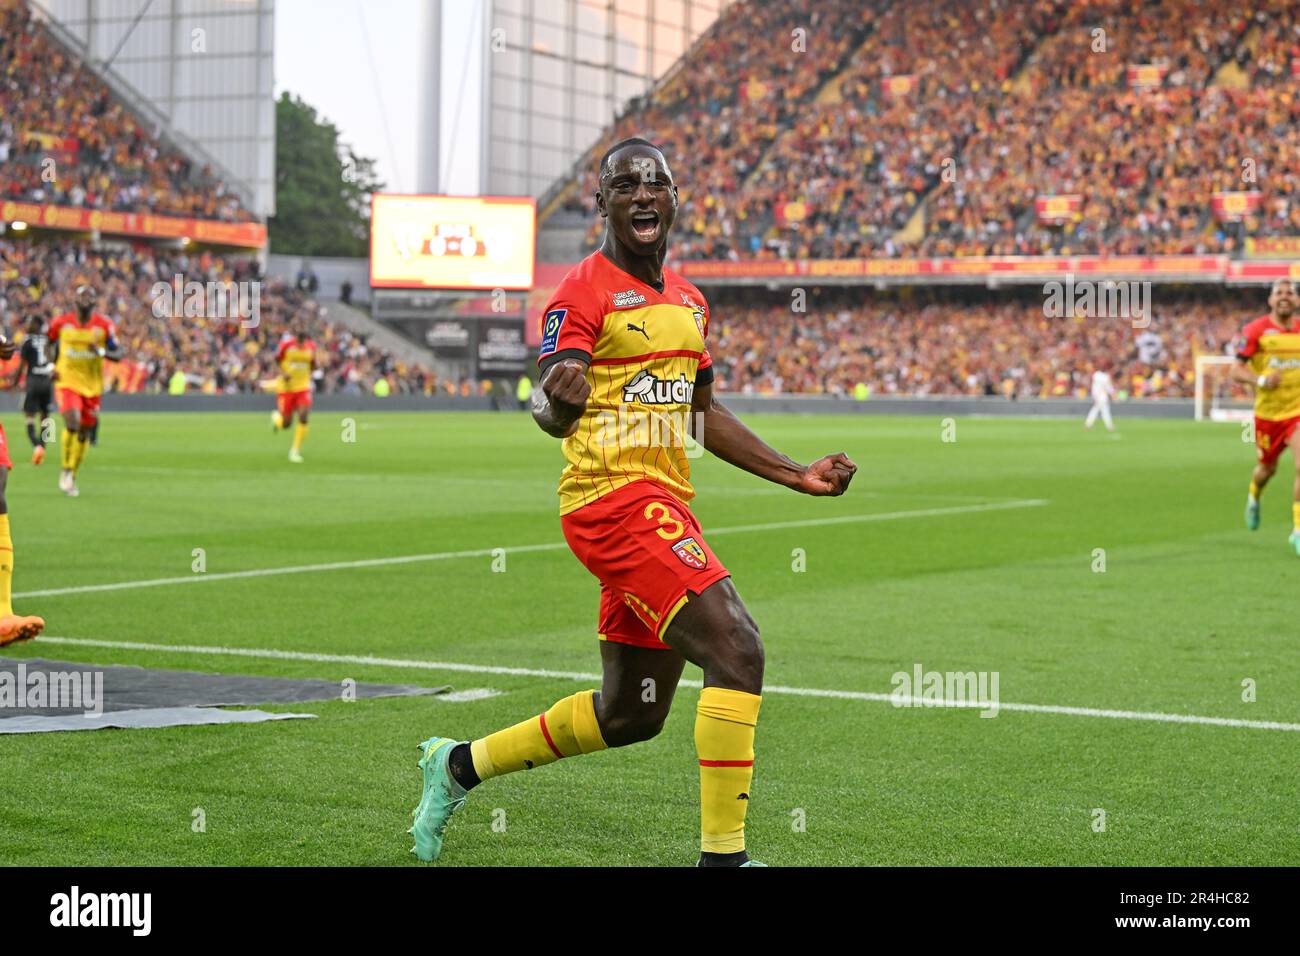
column 452, row 242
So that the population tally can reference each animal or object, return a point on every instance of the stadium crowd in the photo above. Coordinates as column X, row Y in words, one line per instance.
column 951, row 343
column 218, row 351
column 928, row 128
column 64, row 139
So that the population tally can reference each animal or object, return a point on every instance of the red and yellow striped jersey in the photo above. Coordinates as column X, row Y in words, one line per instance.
column 1269, row 347
column 647, row 355
column 80, row 365
column 295, row 358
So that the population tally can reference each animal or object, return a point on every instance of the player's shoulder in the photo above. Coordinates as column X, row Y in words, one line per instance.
column 587, row 281
column 676, row 285
column 1257, row 326
column 101, row 321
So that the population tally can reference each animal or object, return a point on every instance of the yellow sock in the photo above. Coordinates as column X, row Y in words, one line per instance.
column 299, row 436
column 569, row 728
column 724, row 739
column 66, row 452
column 1254, row 489
column 79, row 446
column 275, row 417
column 6, row 568
column 1295, row 515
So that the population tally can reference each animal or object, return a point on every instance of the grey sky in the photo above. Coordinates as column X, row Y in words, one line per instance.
column 320, row 55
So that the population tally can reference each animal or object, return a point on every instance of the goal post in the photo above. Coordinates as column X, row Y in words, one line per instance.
column 1218, row 397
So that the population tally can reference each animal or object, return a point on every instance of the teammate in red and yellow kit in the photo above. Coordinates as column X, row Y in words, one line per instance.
column 296, row 357
column 13, row 627
column 82, row 340
column 626, row 382
column 1269, row 351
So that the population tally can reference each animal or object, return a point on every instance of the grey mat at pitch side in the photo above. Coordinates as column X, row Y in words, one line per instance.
column 39, row 695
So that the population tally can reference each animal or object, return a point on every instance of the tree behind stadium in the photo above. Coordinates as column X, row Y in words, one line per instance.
column 322, row 192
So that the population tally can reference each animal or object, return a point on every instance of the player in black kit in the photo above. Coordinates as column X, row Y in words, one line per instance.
column 38, row 361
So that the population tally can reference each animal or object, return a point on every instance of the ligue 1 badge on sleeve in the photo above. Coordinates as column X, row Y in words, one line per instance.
column 551, row 330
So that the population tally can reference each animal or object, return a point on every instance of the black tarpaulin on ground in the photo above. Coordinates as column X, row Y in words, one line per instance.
column 40, row 694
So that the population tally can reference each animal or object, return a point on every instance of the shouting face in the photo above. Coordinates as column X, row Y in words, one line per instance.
column 637, row 198
column 86, row 297
column 1282, row 300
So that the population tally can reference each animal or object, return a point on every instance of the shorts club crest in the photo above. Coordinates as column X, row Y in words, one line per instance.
column 691, row 554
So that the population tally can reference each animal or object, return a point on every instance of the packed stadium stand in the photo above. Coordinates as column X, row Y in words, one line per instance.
column 961, row 342
column 844, row 154
column 852, row 130
column 54, row 109
column 65, row 141
column 216, row 353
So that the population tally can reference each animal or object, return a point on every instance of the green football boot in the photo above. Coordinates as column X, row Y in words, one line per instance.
column 1295, row 541
column 442, row 797
column 1252, row 514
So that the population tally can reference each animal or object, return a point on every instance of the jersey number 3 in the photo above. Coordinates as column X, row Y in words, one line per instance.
column 669, row 527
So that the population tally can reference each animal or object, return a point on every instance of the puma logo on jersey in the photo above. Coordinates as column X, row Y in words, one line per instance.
column 648, row 390
column 639, row 328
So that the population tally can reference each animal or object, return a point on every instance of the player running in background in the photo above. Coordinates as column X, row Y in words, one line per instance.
column 1269, row 352
column 625, row 336
column 1103, row 390
column 13, row 627
column 38, row 364
column 296, row 357
column 82, row 339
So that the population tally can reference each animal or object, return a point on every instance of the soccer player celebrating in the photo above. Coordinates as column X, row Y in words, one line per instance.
column 624, row 337
column 1269, row 351
column 296, row 357
column 38, row 364
column 82, row 340
column 13, row 627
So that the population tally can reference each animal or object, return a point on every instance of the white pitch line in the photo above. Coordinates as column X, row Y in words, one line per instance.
column 487, row 552
column 402, row 662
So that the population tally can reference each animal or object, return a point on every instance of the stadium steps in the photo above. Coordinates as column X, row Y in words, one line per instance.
column 376, row 334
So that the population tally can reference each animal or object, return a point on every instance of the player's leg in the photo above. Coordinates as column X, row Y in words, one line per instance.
column 637, row 687
column 303, row 406
column 1268, row 449
column 714, row 631
column 1105, row 415
column 70, row 408
column 1092, row 415
column 1295, row 498
column 636, row 693
column 34, row 429
column 13, row 627
column 89, row 417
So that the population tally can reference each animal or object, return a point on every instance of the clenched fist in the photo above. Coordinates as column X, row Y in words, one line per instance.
column 566, row 388
column 828, row 476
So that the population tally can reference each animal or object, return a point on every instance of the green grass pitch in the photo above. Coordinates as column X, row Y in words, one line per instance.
column 1188, row 607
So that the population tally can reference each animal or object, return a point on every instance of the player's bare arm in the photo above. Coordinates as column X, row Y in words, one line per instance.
column 1242, row 372
column 562, row 398
column 727, row 437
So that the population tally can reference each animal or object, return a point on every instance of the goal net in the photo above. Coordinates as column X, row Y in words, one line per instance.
column 1218, row 397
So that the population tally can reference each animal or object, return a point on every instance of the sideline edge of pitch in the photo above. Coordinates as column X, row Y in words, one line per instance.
column 548, row 546
column 913, row 701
